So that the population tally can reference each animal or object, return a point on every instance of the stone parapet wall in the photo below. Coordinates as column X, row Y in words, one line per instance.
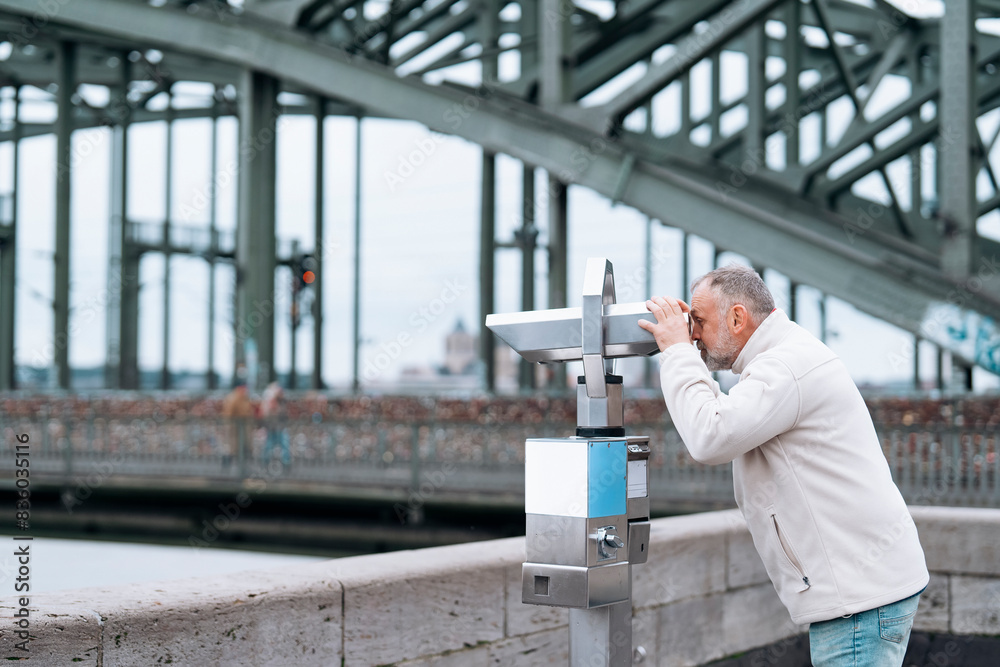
column 703, row 595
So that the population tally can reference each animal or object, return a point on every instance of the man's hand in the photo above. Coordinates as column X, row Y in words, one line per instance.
column 671, row 327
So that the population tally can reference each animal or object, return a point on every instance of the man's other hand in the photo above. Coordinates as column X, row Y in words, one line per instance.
column 671, row 326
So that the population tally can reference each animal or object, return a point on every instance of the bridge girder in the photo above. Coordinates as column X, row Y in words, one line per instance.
column 770, row 216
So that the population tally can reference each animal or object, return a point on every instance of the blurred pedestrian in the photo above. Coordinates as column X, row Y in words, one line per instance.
column 238, row 410
column 272, row 410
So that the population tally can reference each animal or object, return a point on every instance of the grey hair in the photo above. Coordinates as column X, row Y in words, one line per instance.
column 736, row 283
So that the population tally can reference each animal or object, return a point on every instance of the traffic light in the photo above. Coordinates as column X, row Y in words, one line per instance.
column 303, row 272
column 307, row 269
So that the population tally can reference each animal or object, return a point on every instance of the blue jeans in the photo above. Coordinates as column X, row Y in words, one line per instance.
column 277, row 437
column 873, row 638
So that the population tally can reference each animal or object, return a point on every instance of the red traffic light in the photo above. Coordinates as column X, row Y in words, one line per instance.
column 308, row 277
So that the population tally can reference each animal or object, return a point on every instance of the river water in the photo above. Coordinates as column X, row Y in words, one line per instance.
column 57, row 564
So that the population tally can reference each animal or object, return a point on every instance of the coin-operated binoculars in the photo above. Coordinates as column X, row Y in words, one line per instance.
column 586, row 497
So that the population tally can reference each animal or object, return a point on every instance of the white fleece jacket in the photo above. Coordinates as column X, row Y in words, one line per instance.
column 808, row 471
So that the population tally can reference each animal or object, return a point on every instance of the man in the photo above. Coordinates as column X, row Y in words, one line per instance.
column 809, row 475
column 237, row 410
column 272, row 409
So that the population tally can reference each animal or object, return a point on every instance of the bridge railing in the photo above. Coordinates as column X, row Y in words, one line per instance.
column 939, row 465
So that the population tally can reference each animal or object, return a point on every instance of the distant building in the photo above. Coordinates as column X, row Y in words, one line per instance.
column 461, row 352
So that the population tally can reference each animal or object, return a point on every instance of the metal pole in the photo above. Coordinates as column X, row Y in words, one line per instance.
column 118, row 279
column 558, row 228
column 822, row 317
column 824, row 127
column 555, row 28
column 167, row 213
column 529, row 35
column 293, row 314
column 715, row 114
column 64, row 154
column 320, row 247
column 213, row 239
column 792, row 52
column 356, row 382
column 685, row 270
column 602, row 636
column 487, row 254
column 8, row 262
column 756, row 88
column 529, row 60
column 648, row 374
column 793, row 301
column 648, row 371
column 916, row 362
column 487, row 234
column 685, row 130
column 939, row 369
column 554, row 40
column 528, row 234
column 916, row 164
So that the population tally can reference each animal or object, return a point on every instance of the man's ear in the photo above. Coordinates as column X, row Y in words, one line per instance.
column 739, row 319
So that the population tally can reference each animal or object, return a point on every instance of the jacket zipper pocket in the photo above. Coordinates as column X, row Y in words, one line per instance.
column 789, row 554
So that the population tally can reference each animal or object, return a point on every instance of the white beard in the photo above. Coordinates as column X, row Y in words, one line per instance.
column 721, row 358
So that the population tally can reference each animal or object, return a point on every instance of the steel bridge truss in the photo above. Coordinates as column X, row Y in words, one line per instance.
column 850, row 145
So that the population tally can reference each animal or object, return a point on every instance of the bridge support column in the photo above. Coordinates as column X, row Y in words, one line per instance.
column 529, row 47
column 117, row 277
column 487, row 238
column 528, row 234
column 129, row 358
column 318, row 245
column 956, row 163
column 558, row 228
column 487, row 272
column 213, row 240
column 255, row 239
column 66, row 63
column 792, row 52
column 715, row 92
column 756, row 92
column 555, row 30
column 8, row 260
column 356, row 382
column 167, row 214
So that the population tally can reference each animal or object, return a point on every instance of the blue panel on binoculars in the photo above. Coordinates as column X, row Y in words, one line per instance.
column 607, row 467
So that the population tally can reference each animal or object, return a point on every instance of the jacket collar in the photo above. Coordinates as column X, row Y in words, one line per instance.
column 771, row 331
